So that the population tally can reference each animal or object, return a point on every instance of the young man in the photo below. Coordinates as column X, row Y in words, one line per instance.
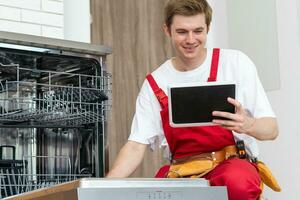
column 187, row 23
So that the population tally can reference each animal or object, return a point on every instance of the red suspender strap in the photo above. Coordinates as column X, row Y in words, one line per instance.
column 214, row 65
column 159, row 93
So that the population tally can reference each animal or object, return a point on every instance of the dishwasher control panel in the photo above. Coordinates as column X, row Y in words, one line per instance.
column 159, row 195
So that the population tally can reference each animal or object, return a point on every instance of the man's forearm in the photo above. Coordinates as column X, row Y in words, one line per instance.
column 264, row 128
column 128, row 159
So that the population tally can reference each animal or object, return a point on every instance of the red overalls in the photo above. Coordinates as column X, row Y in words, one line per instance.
column 240, row 176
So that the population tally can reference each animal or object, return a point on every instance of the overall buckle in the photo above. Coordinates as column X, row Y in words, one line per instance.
column 241, row 150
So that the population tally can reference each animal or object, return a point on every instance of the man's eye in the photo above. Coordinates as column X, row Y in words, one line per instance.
column 198, row 32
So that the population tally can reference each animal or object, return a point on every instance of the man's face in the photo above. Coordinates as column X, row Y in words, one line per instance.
column 188, row 35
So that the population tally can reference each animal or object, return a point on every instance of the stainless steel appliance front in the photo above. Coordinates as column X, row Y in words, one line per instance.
column 130, row 189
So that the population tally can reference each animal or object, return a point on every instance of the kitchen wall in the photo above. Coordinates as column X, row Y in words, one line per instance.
column 77, row 20
column 34, row 17
column 283, row 154
column 62, row 19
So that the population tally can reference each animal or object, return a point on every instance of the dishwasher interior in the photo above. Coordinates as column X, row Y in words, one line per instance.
column 53, row 111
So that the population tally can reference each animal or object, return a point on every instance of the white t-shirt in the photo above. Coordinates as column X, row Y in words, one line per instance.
column 234, row 66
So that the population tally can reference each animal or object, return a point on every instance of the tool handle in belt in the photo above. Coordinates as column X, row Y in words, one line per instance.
column 240, row 145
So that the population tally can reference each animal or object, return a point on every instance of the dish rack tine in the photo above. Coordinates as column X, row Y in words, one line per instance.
column 14, row 183
column 2, row 180
column 9, row 182
column 19, row 183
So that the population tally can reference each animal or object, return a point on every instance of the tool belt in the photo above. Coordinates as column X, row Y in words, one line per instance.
column 199, row 165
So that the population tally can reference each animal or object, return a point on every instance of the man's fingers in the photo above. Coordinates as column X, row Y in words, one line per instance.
column 227, row 123
column 234, row 102
column 227, row 115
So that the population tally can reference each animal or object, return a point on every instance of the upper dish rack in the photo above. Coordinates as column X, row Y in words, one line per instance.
column 51, row 99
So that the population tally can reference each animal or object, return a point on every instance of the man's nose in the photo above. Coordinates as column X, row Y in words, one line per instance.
column 190, row 37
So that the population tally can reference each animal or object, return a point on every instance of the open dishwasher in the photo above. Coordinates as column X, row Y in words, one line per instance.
column 54, row 100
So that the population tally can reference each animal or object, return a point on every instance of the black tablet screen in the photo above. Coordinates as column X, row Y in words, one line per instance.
column 195, row 104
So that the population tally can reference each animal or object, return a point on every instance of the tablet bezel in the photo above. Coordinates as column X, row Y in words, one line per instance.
column 182, row 85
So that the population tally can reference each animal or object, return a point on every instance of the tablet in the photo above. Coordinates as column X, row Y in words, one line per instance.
column 192, row 104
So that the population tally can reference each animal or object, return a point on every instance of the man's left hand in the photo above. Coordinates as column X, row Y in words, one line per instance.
column 240, row 121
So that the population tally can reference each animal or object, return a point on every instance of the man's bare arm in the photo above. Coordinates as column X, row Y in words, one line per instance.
column 128, row 159
column 264, row 129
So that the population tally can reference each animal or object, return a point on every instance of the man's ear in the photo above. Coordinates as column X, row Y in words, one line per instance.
column 208, row 28
column 167, row 30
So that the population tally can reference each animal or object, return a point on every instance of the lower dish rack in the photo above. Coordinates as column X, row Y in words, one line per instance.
column 20, row 177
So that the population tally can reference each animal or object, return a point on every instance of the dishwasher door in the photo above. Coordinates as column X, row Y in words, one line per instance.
column 130, row 189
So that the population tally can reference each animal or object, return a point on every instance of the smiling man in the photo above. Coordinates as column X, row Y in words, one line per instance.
column 187, row 24
column 188, row 35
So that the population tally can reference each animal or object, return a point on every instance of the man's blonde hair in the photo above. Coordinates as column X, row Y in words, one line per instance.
column 187, row 8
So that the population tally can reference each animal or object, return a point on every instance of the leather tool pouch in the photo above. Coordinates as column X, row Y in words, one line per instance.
column 193, row 169
column 267, row 177
column 199, row 165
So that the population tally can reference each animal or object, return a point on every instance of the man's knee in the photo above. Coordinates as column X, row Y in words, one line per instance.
column 242, row 182
column 242, row 189
column 240, row 177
